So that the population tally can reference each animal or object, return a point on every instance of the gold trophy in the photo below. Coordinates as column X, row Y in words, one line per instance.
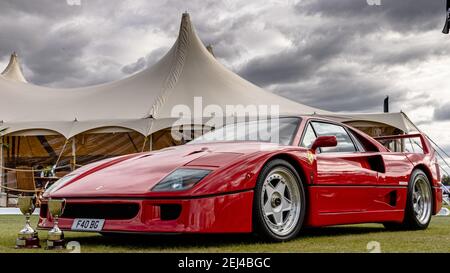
column 55, row 238
column 27, row 236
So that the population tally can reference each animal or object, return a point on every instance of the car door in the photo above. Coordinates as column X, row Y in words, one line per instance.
column 345, row 179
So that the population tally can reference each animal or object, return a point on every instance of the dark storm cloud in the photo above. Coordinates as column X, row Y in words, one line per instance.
column 60, row 59
column 354, row 19
column 54, row 9
column 55, row 49
column 420, row 99
column 399, row 15
column 347, row 34
column 225, row 35
column 49, row 43
column 332, row 90
column 411, row 54
column 297, row 63
column 442, row 113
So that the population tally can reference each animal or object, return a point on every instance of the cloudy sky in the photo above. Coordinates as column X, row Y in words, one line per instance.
column 339, row 55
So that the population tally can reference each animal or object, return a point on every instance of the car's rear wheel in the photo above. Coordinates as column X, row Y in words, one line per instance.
column 419, row 204
column 279, row 202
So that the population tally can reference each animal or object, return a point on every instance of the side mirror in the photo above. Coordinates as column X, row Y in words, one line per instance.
column 324, row 141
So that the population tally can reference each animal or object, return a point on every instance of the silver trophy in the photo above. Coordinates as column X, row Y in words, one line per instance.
column 55, row 239
column 27, row 236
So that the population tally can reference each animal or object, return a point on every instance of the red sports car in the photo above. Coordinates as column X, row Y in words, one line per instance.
column 315, row 172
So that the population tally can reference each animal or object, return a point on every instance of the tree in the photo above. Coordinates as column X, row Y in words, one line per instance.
column 446, row 180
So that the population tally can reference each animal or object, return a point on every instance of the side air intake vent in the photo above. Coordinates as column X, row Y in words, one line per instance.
column 170, row 211
column 393, row 198
column 101, row 211
column 376, row 163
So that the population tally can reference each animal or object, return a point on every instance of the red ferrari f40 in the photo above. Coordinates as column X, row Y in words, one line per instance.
column 242, row 179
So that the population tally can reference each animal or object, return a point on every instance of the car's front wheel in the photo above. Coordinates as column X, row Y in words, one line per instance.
column 279, row 202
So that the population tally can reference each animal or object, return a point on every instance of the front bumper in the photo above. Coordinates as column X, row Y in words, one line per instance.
column 228, row 213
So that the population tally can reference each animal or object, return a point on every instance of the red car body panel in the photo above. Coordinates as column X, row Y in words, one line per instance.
column 341, row 188
column 215, row 214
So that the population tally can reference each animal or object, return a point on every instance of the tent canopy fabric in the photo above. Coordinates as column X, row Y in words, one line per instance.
column 13, row 70
column 397, row 120
column 140, row 102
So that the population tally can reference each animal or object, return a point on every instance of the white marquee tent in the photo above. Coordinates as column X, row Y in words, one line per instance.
column 38, row 121
column 142, row 102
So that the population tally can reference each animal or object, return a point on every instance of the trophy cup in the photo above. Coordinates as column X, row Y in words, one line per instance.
column 55, row 238
column 27, row 237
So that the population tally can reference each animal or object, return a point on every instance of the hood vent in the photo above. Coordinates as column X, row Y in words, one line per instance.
column 204, row 149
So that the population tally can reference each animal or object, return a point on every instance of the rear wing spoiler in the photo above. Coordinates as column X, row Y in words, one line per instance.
column 425, row 145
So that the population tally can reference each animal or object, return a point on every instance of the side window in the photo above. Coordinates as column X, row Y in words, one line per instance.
column 309, row 137
column 344, row 142
column 358, row 143
column 413, row 145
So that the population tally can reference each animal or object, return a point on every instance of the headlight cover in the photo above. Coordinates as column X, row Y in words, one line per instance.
column 59, row 184
column 181, row 179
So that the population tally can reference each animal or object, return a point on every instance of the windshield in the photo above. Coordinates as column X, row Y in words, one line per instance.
column 274, row 130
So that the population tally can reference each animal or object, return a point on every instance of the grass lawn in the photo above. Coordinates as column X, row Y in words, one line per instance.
column 352, row 238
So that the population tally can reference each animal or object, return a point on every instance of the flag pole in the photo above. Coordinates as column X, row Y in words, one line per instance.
column 447, row 18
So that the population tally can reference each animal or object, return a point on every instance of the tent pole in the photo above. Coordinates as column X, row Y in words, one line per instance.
column 74, row 154
column 1, row 163
column 3, row 181
column 150, row 143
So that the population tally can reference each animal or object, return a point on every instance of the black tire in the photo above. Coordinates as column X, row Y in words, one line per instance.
column 260, row 226
column 411, row 221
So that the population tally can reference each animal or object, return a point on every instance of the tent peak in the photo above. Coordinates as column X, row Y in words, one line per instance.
column 13, row 70
column 191, row 70
column 185, row 20
column 181, row 50
column 185, row 41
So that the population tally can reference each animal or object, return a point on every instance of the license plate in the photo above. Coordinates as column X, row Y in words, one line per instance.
column 88, row 224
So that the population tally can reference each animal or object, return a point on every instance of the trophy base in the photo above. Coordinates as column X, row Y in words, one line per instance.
column 56, row 244
column 28, row 243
